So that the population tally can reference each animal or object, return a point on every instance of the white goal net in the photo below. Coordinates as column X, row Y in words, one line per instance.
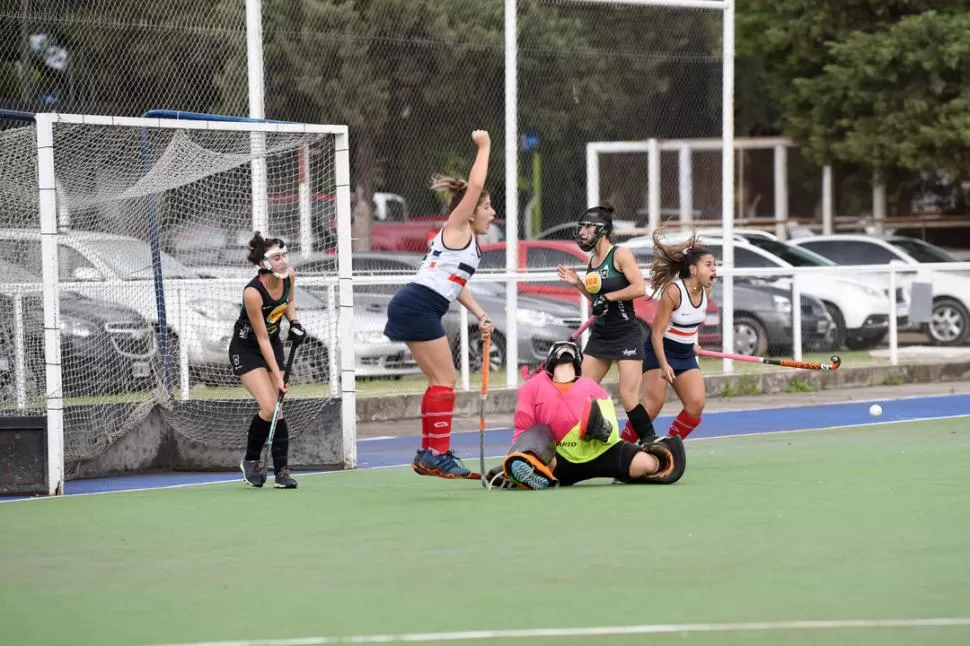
column 123, row 260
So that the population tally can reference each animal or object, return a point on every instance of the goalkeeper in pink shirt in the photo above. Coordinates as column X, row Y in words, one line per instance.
column 566, row 432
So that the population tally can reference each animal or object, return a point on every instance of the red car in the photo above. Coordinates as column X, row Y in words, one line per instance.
column 545, row 255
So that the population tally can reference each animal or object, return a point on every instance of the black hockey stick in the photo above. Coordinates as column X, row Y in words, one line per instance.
column 279, row 405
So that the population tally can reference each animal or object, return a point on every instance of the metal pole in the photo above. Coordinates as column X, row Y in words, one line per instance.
column 254, row 60
column 727, row 181
column 781, row 191
column 511, row 190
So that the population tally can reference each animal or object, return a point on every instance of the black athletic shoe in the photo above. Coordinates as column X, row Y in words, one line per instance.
column 251, row 473
column 284, row 481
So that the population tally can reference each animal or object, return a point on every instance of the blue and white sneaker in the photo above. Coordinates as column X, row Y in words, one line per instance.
column 443, row 465
column 528, row 472
column 418, row 461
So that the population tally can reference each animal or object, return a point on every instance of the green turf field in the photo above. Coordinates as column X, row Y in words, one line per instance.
column 866, row 523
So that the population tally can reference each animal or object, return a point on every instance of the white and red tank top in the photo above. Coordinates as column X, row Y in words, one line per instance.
column 445, row 271
column 686, row 319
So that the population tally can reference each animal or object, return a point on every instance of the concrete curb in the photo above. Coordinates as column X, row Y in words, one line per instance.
column 502, row 400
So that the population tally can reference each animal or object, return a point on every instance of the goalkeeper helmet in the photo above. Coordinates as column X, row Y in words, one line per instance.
column 564, row 352
column 598, row 217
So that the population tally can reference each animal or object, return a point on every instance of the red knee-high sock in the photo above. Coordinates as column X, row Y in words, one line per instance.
column 683, row 424
column 424, row 421
column 628, row 433
column 439, row 404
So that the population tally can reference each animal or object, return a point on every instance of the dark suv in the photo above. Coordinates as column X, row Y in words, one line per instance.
column 105, row 348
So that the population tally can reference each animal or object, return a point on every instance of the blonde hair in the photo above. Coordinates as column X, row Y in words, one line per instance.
column 671, row 261
column 454, row 189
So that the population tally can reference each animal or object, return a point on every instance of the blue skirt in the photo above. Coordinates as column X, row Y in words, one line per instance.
column 414, row 314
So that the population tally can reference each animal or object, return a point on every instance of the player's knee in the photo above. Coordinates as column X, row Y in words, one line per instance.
column 643, row 465
column 694, row 406
column 629, row 396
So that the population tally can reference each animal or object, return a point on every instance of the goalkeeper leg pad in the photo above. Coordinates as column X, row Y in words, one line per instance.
column 671, row 455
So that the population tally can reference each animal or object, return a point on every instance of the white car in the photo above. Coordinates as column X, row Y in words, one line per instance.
column 859, row 311
column 118, row 269
column 950, row 320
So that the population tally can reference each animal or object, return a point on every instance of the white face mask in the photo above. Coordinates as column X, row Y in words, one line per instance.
column 277, row 253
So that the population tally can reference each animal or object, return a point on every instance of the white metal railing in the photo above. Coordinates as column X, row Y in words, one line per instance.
column 179, row 287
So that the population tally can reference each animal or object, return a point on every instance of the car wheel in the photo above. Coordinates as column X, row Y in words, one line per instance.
column 750, row 336
column 949, row 322
column 496, row 351
column 311, row 365
column 837, row 337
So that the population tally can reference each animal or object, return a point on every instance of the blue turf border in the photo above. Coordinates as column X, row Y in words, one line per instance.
column 386, row 452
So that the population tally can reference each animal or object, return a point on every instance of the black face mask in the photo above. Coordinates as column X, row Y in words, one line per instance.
column 600, row 230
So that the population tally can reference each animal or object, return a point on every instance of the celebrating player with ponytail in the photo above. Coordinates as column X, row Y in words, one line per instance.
column 612, row 281
column 414, row 314
column 681, row 274
column 256, row 353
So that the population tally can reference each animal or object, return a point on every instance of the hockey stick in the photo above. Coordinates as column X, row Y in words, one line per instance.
column 787, row 363
column 572, row 337
column 279, row 406
column 486, row 359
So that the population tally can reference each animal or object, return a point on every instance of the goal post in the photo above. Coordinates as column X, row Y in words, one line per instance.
column 134, row 230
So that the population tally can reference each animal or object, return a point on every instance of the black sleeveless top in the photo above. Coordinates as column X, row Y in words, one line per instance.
column 272, row 311
column 610, row 280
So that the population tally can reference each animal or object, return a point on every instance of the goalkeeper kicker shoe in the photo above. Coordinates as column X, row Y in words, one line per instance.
column 284, row 480
column 528, row 472
column 252, row 474
column 672, row 459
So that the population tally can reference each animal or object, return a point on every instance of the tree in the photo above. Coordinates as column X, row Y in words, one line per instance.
column 797, row 41
column 898, row 97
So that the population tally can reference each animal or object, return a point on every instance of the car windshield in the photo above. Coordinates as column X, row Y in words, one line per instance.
column 132, row 260
column 922, row 251
column 791, row 254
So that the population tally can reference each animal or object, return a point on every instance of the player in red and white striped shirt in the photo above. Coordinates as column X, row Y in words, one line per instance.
column 414, row 314
column 682, row 274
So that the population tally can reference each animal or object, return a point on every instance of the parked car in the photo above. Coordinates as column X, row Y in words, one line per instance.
column 541, row 322
column 118, row 269
column 105, row 348
column 859, row 311
column 762, row 315
column 545, row 255
column 375, row 355
column 950, row 320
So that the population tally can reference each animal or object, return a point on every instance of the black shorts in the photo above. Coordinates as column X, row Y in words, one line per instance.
column 615, row 341
column 243, row 357
column 614, row 463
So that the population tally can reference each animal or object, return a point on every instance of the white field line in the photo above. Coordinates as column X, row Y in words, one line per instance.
column 646, row 629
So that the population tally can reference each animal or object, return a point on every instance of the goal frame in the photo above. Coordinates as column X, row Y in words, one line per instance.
column 47, row 211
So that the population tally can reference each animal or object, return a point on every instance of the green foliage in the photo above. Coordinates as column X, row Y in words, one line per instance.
column 749, row 385
column 799, row 385
column 874, row 83
column 894, row 380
